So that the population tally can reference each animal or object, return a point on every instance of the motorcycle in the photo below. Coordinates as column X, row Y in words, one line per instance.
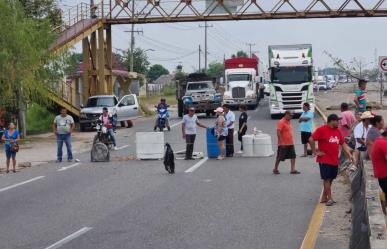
column 162, row 118
column 102, row 144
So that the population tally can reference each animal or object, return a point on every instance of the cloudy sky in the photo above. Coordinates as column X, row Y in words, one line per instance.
column 178, row 42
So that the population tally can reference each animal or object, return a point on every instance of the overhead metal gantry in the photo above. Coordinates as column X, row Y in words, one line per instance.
column 91, row 23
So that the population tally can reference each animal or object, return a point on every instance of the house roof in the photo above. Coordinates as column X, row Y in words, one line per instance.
column 164, row 79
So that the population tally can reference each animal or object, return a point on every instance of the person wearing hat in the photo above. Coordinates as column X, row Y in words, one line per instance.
column 188, row 128
column 360, row 133
column 286, row 148
column 360, row 96
column 377, row 124
column 221, row 131
column 379, row 161
column 230, row 123
column 329, row 139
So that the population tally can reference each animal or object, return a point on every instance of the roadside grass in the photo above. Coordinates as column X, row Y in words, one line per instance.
column 146, row 103
column 38, row 119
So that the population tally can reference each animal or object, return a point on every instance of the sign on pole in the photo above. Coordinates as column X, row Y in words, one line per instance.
column 383, row 64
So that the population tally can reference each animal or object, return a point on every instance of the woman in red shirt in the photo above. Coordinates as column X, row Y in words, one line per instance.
column 379, row 160
column 329, row 139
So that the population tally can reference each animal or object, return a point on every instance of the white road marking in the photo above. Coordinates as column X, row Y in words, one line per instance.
column 21, row 183
column 69, row 167
column 69, row 238
column 123, row 147
column 197, row 165
column 176, row 124
column 235, row 132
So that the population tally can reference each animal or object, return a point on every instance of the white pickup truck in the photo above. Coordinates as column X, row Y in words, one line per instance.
column 125, row 108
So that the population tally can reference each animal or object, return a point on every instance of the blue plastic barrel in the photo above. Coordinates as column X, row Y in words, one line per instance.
column 212, row 144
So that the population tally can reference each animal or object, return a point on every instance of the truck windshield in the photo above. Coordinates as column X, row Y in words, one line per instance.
column 239, row 77
column 291, row 75
column 199, row 86
column 101, row 102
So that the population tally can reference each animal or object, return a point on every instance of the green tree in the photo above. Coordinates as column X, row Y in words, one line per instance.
column 156, row 71
column 240, row 53
column 24, row 58
column 215, row 69
column 43, row 9
column 140, row 60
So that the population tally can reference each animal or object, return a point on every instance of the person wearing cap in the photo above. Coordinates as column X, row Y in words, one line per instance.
column 360, row 133
column 230, row 123
column 306, row 126
column 221, row 131
column 188, row 128
column 162, row 105
column 360, row 96
column 377, row 124
column 107, row 120
column 329, row 139
column 286, row 148
column 379, row 161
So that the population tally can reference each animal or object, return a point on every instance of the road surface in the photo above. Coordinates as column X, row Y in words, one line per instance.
column 232, row 204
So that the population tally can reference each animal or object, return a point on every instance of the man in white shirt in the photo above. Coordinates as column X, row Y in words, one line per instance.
column 360, row 133
column 230, row 123
column 188, row 128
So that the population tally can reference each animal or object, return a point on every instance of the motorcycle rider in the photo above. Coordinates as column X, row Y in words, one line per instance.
column 162, row 105
column 108, row 122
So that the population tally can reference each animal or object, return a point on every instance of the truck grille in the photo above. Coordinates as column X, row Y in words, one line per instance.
column 238, row 92
column 93, row 116
column 291, row 101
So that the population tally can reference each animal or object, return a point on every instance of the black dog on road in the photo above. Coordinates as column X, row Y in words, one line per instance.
column 169, row 159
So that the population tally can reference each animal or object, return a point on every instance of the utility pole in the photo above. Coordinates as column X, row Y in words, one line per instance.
column 132, row 42
column 200, row 55
column 205, row 43
column 250, row 45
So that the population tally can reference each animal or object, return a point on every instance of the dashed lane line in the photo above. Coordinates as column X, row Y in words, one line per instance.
column 68, row 167
column 69, row 238
column 123, row 147
column 176, row 124
column 21, row 183
column 196, row 166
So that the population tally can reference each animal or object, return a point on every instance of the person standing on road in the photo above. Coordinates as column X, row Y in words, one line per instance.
column 188, row 128
column 379, row 161
column 360, row 133
column 230, row 123
column 220, row 131
column 242, row 124
column 286, row 148
column 10, row 137
column 360, row 96
column 306, row 126
column 63, row 127
column 107, row 120
column 347, row 120
column 374, row 132
column 329, row 140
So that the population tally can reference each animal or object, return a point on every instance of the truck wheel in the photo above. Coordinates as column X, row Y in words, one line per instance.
column 82, row 128
column 130, row 124
column 274, row 116
column 123, row 124
column 208, row 114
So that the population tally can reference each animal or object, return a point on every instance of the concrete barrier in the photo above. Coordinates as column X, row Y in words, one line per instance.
column 368, row 223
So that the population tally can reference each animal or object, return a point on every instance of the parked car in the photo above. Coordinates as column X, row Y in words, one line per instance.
column 322, row 85
column 126, row 109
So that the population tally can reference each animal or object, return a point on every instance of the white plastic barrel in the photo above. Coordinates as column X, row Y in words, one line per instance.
column 262, row 145
column 247, row 141
column 150, row 145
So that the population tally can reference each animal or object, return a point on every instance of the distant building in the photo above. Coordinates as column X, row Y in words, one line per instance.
column 164, row 80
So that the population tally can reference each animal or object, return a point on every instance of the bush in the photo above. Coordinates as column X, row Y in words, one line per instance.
column 169, row 90
column 38, row 119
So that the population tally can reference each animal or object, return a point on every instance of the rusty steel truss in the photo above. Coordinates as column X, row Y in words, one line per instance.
column 159, row 11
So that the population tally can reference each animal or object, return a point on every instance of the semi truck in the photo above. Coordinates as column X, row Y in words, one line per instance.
column 197, row 90
column 241, row 82
column 291, row 78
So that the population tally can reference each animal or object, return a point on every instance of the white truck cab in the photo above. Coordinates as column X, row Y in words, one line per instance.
column 291, row 78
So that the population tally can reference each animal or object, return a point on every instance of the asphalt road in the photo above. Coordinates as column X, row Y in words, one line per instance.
column 232, row 204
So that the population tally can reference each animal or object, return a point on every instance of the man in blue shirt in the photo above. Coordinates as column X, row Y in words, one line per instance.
column 306, row 126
